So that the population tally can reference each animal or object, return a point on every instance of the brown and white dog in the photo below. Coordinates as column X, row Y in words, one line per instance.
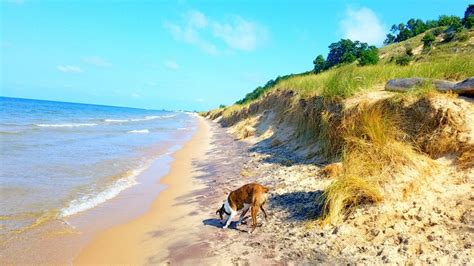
column 248, row 196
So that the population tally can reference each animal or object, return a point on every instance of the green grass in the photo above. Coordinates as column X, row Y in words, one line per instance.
column 347, row 80
column 452, row 61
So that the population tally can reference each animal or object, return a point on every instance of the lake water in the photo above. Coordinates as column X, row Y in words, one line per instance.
column 59, row 159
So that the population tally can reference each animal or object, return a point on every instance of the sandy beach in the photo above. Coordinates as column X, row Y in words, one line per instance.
column 148, row 238
column 182, row 228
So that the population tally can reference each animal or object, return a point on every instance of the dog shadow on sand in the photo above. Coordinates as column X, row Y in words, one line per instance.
column 299, row 205
column 233, row 225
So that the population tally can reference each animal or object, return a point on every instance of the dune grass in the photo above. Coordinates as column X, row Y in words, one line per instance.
column 375, row 141
column 347, row 80
column 373, row 150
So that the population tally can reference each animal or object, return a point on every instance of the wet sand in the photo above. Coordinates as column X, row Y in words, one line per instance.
column 171, row 217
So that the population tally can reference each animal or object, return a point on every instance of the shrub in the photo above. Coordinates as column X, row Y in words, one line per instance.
column 428, row 40
column 453, row 22
column 369, row 56
column 408, row 50
column 462, row 36
column 437, row 31
column 222, row 106
column 403, row 60
column 449, row 36
column 468, row 22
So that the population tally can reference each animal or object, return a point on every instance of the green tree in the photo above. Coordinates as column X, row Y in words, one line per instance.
column 428, row 40
column 390, row 39
column 319, row 64
column 346, row 51
column 431, row 24
column 369, row 56
column 453, row 22
column 445, row 20
column 468, row 22
column 416, row 26
column 343, row 51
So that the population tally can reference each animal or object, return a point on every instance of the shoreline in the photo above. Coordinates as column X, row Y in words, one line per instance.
column 146, row 238
column 59, row 240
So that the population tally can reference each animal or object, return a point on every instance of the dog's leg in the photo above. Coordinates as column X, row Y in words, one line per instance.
column 229, row 220
column 264, row 212
column 243, row 215
column 254, row 218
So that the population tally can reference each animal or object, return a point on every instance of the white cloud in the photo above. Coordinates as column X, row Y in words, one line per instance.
column 190, row 34
column 170, row 64
column 236, row 33
column 96, row 61
column 199, row 100
column 136, row 95
column 239, row 34
column 197, row 19
column 69, row 69
column 363, row 25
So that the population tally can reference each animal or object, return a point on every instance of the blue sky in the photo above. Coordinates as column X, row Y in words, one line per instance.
column 191, row 55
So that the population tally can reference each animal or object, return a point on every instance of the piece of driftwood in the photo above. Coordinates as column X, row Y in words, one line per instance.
column 465, row 87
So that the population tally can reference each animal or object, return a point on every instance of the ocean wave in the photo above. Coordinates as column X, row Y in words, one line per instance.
column 7, row 132
column 192, row 114
column 90, row 201
column 139, row 131
column 116, row 120
column 146, row 118
column 167, row 116
column 67, row 125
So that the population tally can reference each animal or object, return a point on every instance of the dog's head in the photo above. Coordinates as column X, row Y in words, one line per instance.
column 221, row 211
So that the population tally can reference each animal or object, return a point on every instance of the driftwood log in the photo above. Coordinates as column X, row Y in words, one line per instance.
column 465, row 87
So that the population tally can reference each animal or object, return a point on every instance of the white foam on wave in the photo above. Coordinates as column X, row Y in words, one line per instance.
column 167, row 116
column 146, row 118
column 67, row 125
column 116, row 120
column 192, row 114
column 140, row 131
column 90, row 201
